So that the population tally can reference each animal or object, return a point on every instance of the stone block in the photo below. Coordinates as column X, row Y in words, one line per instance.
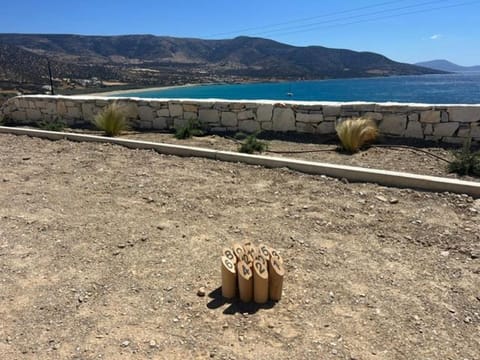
column 326, row 127
column 414, row 129
column 267, row 125
column 179, row 123
column 331, row 110
column 249, row 126
column 283, row 119
column 163, row 112
column 88, row 111
column 413, row 117
column 309, row 118
column 453, row 140
column 188, row 115
column 464, row 132
column 393, row 124
column 229, row 119
column 34, row 114
column 373, row 115
column 176, row 110
column 61, row 108
column 145, row 124
column 445, row 129
column 475, row 131
column 433, row 138
column 444, row 117
column 145, row 113
column 464, row 113
column 264, row 112
column 159, row 123
column 246, row 115
column 190, row 108
column 50, row 108
column 306, row 127
column 430, row 117
column 428, row 130
column 208, row 116
column 18, row 115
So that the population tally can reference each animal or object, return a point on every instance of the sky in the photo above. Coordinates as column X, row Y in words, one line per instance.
column 407, row 31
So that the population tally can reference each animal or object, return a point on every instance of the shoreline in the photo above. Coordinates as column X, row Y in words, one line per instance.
column 141, row 90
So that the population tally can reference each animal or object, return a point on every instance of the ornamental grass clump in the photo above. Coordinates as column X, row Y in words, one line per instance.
column 192, row 128
column 355, row 133
column 465, row 162
column 112, row 120
column 252, row 144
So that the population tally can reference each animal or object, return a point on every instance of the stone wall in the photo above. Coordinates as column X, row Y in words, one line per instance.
column 446, row 123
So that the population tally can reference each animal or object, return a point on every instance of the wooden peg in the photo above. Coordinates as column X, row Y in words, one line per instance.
column 238, row 250
column 264, row 251
column 276, row 273
column 260, row 281
column 245, row 281
column 229, row 278
column 275, row 255
column 247, row 259
column 260, row 258
column 229, row 254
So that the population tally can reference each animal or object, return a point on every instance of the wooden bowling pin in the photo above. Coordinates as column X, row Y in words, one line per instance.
column 245, row 281
column 229, row 278
column 260, row 281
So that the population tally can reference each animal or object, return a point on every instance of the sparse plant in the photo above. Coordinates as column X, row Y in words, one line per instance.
column 240, row 135
column 466, row 162
column 56, row 124
column 192, row 128
column 355, row 133
column 112, row 120
column 252, row 144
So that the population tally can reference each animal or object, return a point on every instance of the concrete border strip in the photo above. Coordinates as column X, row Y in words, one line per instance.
column 351, row 173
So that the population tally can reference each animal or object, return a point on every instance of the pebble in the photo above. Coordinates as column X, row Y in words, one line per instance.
column 467, row 320
column 152, row 343
column 225, row 326
column 125, row 343
column 393, row 201
column 381, row 198
column 445, row 253
column 201, row 291
column 121, row 246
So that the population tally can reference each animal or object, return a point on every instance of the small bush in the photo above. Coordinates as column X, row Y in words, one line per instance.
column 55, row 124
column 192, row 128
column 466, row 162
column 252, row 144
column 240, row 135
column 112, row 120
column 355, row 133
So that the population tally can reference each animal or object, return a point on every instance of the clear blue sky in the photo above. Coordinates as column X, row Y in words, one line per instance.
column 406, row 30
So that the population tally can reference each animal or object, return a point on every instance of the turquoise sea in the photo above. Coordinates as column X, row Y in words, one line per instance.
column 457, row 88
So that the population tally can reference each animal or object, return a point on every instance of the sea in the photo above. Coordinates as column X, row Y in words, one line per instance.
column 458, row 88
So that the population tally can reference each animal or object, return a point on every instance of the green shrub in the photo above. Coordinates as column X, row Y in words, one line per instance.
column 252, row 144
column 355, row 133
column 466, row 161
column 192, row 128
column 240, row 135
column 56, row 124
column 112, row 120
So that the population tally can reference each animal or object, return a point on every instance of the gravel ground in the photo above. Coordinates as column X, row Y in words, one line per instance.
column 103, row 250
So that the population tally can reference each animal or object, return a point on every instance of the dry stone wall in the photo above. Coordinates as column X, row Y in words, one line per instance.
column 446, row 123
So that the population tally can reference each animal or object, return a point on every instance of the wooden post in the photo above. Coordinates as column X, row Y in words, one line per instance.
column 260, row 281
column 229, row 278
column 276, row 272
column 275, row 255
column 247, row 259
column 238, row 250
column 245, row 281
column 264, row 251
column 229, row 254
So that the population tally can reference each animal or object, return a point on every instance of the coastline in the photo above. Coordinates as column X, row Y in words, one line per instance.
column 141, row 90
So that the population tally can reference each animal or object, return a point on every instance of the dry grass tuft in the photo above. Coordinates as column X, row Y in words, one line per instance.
column 112, row 120
column 355, row 133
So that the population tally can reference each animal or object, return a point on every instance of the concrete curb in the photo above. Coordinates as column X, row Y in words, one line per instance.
column 351, row 173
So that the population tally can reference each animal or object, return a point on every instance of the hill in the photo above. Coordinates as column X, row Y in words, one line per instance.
column 445, row 65
column 158, row 60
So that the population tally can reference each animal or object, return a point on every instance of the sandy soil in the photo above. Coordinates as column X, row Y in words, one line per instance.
column 103, row 249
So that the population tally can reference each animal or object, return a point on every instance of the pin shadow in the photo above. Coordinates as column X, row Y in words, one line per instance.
column 235, row 305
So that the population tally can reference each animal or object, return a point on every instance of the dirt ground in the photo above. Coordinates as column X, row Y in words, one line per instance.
column 400, row 154
column 103, row 250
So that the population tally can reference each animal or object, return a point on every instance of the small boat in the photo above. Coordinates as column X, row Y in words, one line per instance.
column 289, row 94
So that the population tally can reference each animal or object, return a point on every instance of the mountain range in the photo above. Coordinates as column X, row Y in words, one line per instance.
column 158, row 60
column 445, row 65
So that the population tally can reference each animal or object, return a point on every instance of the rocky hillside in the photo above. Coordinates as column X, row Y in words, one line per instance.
column 147, row 59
